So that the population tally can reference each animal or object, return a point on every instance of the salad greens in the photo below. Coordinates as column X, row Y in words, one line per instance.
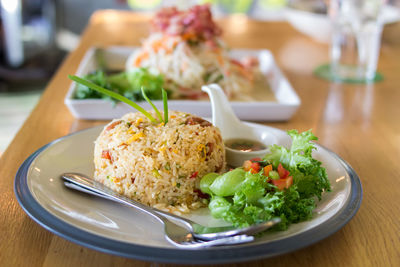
column 253, row 193
column 119, row 97
column 311, row 179
column 127, row 83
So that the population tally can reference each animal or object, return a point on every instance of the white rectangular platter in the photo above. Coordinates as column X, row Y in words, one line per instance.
column 114, row 58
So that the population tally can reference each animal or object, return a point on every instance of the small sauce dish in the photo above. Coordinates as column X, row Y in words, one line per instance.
column 244, row 145
column 234, row 132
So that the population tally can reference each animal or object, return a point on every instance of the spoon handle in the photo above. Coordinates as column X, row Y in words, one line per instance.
column 223, row 115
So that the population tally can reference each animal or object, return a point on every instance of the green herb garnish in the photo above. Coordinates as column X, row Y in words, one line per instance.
column 165, row 103
column 151, row 104
column 126, row 100
column 126, row 83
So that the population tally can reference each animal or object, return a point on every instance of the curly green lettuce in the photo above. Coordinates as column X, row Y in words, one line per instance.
column 307, row 172
column 246, row 198
column 127, row 84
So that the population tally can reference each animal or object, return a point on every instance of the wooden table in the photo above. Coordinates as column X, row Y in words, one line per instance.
column 361, row 123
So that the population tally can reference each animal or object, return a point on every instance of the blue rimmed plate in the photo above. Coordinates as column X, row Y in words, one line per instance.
column 109, row 227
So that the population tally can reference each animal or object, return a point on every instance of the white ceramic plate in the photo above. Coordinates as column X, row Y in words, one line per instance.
column 119, row 230
column 114, row 58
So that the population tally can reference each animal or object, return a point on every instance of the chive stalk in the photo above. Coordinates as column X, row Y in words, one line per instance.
column 151, row 104
column 113, row 94
column 165, row 103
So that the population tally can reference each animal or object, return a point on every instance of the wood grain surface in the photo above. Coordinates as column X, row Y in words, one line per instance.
column 361, row 123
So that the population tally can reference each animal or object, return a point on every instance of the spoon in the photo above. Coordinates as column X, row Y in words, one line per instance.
column 87, row 185
column 232, row 128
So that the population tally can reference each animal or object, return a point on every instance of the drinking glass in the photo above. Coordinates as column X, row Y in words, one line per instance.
column 356, row 37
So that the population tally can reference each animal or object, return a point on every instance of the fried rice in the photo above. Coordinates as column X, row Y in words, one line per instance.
column 159, row 165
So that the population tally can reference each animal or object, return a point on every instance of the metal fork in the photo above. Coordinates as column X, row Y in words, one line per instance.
column 183, row 238
column 84, row 184
column 177, row 235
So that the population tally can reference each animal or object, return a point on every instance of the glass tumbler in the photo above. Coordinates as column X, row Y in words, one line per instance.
column 356, row 37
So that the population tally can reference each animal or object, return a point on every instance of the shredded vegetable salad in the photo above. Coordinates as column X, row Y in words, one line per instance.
column 186, row 49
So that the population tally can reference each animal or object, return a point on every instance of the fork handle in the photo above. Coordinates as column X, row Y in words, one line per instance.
column 77, row 181
column 84, row 184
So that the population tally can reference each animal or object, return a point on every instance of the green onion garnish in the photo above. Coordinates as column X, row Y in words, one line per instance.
column 165, row 103
column 115, row 95
column 151, row 104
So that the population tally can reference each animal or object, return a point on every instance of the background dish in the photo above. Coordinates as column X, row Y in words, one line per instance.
column 282, row 109
column 108, row 227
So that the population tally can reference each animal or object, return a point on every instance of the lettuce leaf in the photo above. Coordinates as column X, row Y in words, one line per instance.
column 255, row 200
column 126, row 83
column 308, row 174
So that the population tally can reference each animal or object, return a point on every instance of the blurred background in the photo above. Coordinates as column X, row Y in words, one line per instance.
column 37, row 34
